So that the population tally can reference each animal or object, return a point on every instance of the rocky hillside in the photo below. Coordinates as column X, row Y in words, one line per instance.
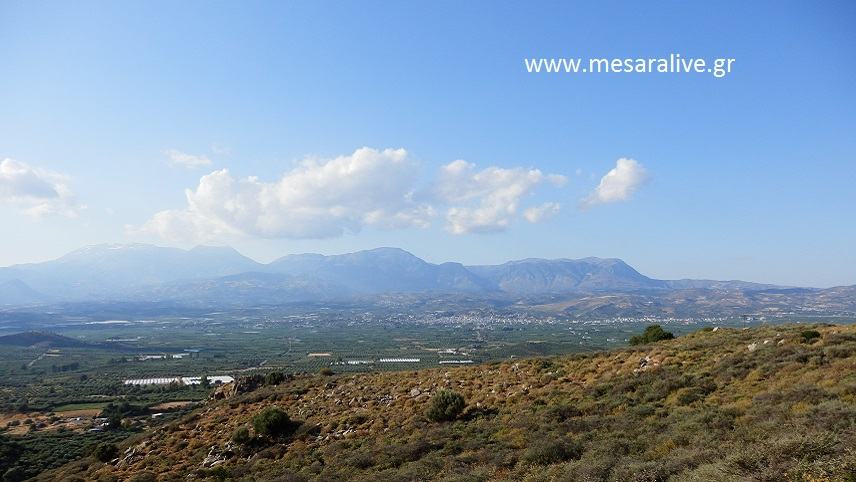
column 769, row 404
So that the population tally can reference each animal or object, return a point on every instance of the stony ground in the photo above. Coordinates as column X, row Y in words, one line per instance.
column 758, row 404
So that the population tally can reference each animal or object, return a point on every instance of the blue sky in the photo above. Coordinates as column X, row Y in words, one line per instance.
column 749, row 176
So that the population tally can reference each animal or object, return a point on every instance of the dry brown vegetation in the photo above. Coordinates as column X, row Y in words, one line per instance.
column 756, row 404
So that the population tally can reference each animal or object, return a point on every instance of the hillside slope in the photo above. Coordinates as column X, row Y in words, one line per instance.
column 757, row 404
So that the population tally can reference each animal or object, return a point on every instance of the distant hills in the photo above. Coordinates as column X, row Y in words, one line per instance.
column 41, row 339
column 221, row 275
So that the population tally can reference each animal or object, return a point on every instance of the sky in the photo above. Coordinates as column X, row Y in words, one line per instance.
column 290, row 127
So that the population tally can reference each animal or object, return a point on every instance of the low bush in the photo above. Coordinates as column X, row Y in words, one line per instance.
column 274, row 378
column 653, row 333
column 105, row 452
column 241, row 435
column 445, row 406
column 551, row 451
column 273, row 422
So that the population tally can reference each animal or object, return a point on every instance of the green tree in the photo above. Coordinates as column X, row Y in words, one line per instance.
column 809, row 336
column 445, row 406
column 274, row 378
column 105, row 452
column 272, row 421
column 651, row 334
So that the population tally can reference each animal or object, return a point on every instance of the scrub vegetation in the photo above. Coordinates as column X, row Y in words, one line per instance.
column 766, row 404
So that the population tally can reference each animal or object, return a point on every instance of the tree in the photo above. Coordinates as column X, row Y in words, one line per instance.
column 651, row 334
column 105, row 452
column 272, row 421
column 445, row 406
column 274, row 378
column 203, row 382
column 809, row 336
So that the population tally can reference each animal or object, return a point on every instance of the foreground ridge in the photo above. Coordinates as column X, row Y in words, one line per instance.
column 768, row 403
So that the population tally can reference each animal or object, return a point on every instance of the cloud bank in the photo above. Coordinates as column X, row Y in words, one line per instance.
column 35, row 191
column 618, row 184
column 367, row 188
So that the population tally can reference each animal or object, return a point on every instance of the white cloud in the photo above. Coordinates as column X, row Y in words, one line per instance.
column 542, row 212
column 486, row 200
column 368, row 188
column 618, row 184
column 37, row 192
column 317, row 199
column 190, row 161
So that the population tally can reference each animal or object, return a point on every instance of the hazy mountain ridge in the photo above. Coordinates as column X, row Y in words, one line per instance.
column 212, row 275
column 105, row 271
column 381, row 270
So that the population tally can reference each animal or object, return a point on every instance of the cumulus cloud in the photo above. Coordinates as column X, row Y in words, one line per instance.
column 368, row 188
column 487, row 200
column 183, row 159
column 542, row 212
column 618, row 184
column 36, row 191
column 317, row 199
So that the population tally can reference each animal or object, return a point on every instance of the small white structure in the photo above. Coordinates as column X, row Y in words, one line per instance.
column 399, row 360
column 213, row 380
column 153, row 381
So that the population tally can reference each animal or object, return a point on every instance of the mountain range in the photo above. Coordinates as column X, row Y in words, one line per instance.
column 140, row 272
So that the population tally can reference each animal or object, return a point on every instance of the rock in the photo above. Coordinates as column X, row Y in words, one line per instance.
column 752, row 346
column 216, row 456
column 415, row 392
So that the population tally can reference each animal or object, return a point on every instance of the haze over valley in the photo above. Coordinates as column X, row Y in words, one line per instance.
column 212, row 276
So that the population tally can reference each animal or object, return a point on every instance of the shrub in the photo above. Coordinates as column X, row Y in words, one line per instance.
column 15, row 474
column 651, row 334
column 445, row 406
column 563, row 412
column 272, row 421
column 105, row 452
column 274, row 378
column 241, row 435
column 326, row 371
column 808, row 336
column 546, row 452
column 143, row 477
